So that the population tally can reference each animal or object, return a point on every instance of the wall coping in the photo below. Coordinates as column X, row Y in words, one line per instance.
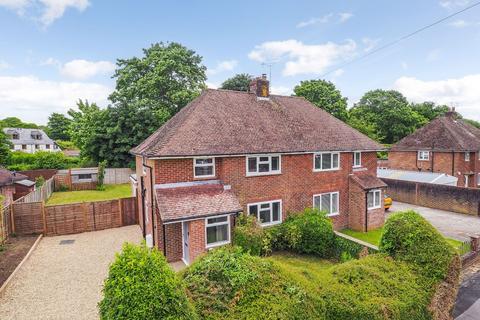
column 360, row 242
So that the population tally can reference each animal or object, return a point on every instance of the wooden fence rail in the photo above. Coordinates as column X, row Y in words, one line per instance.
column 40, row 194
column 35, row 217
column 5, row 223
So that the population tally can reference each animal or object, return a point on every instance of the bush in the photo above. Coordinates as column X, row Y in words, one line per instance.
column 41, row 160
column 408, row 237
column 228, row 283
column 309, row 232
column 250, row 236
column 375, row 287
column 141, row 285
column 101, row 175
column 39, row 181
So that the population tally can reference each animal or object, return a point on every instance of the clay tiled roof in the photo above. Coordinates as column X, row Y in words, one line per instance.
column 223, row 122
column 368, row 182
column 8, row 177
column 196, row 201
column 446, row 133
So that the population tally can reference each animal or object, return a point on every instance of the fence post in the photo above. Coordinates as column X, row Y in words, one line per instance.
column 475, row 243
column 120, row 211
column 12, row 218
column 85, row 215
column 44, row 218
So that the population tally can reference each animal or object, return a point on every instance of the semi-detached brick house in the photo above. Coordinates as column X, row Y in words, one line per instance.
column 229, row 152
column 447, row 144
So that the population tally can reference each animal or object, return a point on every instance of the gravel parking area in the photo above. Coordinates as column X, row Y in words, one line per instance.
column 64, row 281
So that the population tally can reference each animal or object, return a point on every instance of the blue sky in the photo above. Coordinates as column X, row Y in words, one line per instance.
column 53, row 52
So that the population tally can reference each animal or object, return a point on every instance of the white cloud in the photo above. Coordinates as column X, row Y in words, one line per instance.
column 50, row 10
column 82, row 69
column 301, row 58
column 458, row 24
column 212, row 85
column 344, row 16
column 281, row 90
column 462, row 92
column 222, row 66
column 370, row 44
column 51, row 62
column 337, row 73
column 451, row 4
column 325, row 19
column 32, row 99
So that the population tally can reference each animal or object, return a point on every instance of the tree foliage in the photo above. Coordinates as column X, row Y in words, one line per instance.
column 324, row 95
column 58, row 126
column 239, row 82
column 13, row 122
column 5, row 146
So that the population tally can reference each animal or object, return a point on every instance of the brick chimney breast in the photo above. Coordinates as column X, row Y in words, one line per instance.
column 261, row 87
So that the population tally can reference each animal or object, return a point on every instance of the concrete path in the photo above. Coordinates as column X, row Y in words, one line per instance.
column 450, row 224
column 64, row 281
column 468, row 299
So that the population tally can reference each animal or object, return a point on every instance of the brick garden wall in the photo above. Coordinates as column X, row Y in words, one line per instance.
column 449, row 198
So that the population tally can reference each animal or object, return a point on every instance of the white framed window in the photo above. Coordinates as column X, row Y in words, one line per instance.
column 328, row 202
column 217, row 231
column 357, row 159
column 326, row 161
column 467, row 156
column 423, row 155
column 267, row 213
column 263, row 165
column 203, row 167
column 373, row 199
column 478, row 179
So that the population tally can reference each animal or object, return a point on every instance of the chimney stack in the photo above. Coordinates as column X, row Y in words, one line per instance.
column 261, row 87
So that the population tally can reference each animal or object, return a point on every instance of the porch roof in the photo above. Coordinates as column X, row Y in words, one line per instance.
column 368, row 182
column 177, row 203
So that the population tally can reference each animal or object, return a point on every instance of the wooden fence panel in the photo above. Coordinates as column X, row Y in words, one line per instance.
column 117, row 175
column 129, row 211
column 5, row 223
column 28, row 218
column 65, row 219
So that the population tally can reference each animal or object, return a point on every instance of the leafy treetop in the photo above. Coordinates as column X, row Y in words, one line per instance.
column 239, row 82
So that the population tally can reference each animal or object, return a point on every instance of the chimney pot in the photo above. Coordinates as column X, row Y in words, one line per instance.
column 261, row 87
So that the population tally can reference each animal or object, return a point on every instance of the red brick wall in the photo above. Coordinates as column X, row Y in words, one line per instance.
column 197, row 238
column 357, row 207
column 445, row 162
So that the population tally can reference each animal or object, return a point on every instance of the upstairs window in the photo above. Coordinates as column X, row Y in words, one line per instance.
column 328, row 202
column 15, row 136
column 204, row 167
column 326, row 161
column 267, row 213
column 467, row 156
column 357, row 159
column 423, row 155
column 373, row 199
column 36, row 136
column 263, row 165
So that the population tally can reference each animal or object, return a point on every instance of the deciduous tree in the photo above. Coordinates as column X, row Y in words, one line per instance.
column 58, row 126
column 239, row 82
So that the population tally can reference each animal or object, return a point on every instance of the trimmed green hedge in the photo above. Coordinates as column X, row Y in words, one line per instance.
column 408, row 237
column 231, row 284
column 141, row 285
column 250, row 236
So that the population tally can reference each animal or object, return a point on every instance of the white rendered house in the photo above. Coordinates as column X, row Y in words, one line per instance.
column 30, row 140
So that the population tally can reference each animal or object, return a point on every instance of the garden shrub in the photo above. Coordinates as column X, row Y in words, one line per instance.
column 375, row 287
column 40, row 160
column 408, row 237
column 250, row 236
column 228, row 283
column 101, row 175
column 345, row 246
column 141, row 285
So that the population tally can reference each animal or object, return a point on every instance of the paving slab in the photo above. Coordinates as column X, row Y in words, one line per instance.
column 63, row 277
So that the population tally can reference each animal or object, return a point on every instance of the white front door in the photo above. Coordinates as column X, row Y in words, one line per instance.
column 186, row 240
column 466, row 181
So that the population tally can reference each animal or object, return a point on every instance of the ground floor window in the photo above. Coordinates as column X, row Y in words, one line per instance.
column 217, row 231
column 373, row 199
column 267, row 213
column 327, row 202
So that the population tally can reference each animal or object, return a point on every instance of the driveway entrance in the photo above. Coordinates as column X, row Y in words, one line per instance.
column 63, row 277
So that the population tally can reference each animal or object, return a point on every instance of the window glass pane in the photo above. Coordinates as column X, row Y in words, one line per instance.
column 326, row 203
column 377, row 198
column 318, row 159
column 204, row 161
column 370, row 199
column 276, row 211
column 275, row 163
column 335, row 160
column 263, row 167
column 264, row 159
column 217, row 234
column 253, row 210
column 357, row 158
column 265, row 216
column 252, row 164
column 316, row 202
column 334, row 203
column 265, row 206
column 217, row 220
column 326, row 161
column 204, row 171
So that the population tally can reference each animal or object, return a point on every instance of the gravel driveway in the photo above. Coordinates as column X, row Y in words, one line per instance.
column 64, row 281
column 453, row 225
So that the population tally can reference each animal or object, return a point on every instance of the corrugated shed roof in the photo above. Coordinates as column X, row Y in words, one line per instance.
column 418, row 176
column 446, row 133
column 223, row 122
column 25, row 136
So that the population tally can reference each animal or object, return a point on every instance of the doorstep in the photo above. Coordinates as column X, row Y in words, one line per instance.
column 178, row 265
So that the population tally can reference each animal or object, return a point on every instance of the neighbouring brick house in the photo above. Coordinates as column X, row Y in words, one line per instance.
column 8, row 180
column 447, row 144
column 229, row 152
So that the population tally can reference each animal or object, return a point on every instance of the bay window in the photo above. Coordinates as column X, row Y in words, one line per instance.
column 217, row 230
column 263, row 165
column 267, row 213
column 328, row 202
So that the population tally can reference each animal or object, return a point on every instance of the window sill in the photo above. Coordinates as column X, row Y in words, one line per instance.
column 270, row 224
column 373, row 208
column 333, row 214
column 263, row 174
column 217, row 244
column 423, row 159
column 203, row 177
column 325, row 170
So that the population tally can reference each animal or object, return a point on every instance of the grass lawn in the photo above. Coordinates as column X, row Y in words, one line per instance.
column 112, row 191
column 374, row 237
column 304, row 269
